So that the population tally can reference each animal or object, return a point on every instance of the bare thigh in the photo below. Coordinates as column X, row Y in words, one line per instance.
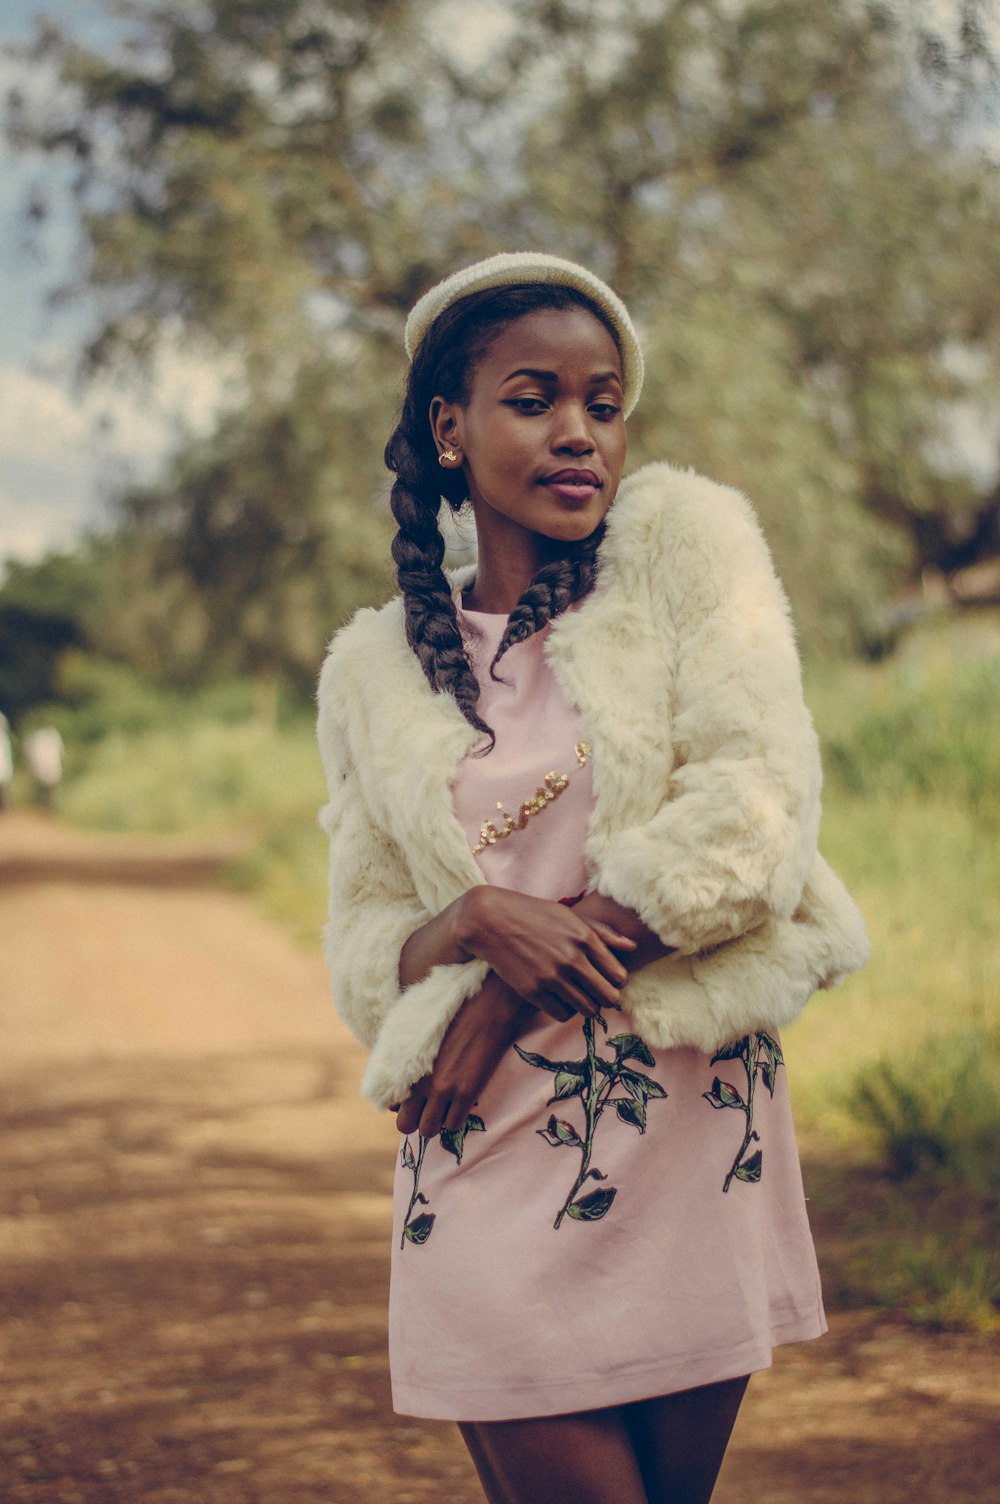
column 661, row 1451
column 681, row 1439
column 588, row 1458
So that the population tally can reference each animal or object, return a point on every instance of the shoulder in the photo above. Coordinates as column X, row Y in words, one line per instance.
column 665, row 506
column 369, row 645
column 688, row 533
column 373, row 629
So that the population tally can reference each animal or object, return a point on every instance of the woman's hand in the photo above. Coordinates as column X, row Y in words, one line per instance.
column 481, row 1032
column 548, row 953
column 647, row 945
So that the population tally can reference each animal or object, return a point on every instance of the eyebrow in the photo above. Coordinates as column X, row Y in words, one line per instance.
column 552, row 377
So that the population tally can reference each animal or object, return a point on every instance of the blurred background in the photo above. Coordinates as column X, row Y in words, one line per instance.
column 218, row 214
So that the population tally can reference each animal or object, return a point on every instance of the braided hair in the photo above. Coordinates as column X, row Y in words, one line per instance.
column 443, row 366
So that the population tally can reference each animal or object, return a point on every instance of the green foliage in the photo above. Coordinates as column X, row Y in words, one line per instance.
column 935, row 1113
column 267, row 535
column 198, row 774
column 922, row 1251
column 926, row 722
column 31, row 643
column 43, row 612
column 923, row 1240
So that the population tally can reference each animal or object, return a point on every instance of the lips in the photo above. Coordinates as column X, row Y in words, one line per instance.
column 572, row 484
column 572, row 477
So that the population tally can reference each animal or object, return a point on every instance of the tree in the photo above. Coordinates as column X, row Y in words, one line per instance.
column 787, row 194
column 809, row 235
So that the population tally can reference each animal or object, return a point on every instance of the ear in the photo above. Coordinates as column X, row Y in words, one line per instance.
column 446, row 428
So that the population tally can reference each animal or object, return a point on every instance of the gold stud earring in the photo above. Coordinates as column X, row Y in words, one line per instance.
column 448, row 457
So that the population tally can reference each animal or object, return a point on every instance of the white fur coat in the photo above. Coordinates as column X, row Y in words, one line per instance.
column 682, row 664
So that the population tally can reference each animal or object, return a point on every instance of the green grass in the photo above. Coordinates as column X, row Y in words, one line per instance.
column 895, row 1075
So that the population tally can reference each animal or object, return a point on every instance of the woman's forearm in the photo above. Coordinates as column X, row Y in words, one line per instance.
column 442, row 941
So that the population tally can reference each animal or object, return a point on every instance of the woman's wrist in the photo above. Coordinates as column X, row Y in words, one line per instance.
column 466, row 916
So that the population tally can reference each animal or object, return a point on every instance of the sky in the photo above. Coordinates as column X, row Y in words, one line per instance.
column 64, row 446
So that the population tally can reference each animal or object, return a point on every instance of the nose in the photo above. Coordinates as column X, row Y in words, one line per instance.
column 571, row 434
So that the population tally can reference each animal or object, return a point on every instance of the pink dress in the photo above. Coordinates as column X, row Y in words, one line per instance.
column 614, row 1223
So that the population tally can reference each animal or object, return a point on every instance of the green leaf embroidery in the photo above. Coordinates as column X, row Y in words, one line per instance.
column 750, row 1168
column 568, row 1084
column 772, row 1049
column 732, row 1051
column 593, row 1081
column 593, row 1207
column 631, row 1047
column 632, row 1112
column 641, row 1087
column 548, row 1065
column 453, row 1139
column 419, row 1230
column 760, row 1055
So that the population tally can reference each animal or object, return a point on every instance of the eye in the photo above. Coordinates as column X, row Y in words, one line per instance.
column 527, row 404
column 604, row 411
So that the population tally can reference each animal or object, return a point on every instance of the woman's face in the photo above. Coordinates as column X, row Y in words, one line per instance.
column 542, row 436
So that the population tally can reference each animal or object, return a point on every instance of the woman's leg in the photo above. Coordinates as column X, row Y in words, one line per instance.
column 561, row 1459
column 681, row 1439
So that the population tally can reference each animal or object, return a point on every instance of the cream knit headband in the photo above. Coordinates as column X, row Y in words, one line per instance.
column 522, row 268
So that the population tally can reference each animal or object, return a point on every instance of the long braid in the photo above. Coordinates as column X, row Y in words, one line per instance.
column 443, row 366
column 432, row 628
column 555, row 587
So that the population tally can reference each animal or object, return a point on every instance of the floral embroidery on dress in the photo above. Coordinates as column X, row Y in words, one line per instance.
column 551, row 786
column 759, row 1053
column 417, row 1229
column 594, row 1080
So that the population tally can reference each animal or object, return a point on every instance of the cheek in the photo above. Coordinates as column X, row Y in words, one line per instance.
column 615, row 451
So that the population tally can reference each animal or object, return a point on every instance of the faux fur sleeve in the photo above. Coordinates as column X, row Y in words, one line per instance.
column 736, row 837
column 373, row 910
column 372, row 907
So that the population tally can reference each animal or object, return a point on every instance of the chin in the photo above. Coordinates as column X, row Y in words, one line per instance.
column 573, row 528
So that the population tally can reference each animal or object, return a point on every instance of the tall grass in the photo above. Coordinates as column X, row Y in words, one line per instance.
column 897, row 1073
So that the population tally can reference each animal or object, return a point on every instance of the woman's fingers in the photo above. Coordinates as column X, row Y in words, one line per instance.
column 581, row 1000
column 432, row 1119
column 457, row 1113
column 408, row 1116
column 554, row 1006
column 602, row 949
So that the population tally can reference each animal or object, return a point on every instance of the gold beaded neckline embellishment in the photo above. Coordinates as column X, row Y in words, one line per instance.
column 552, row 785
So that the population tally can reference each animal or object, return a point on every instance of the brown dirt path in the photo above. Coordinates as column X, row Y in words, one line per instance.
column 194, row 1234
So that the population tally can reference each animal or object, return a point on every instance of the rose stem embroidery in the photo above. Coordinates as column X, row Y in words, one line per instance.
column 419, row 1230
column 583, row 1078
column 724, row 1094
column 453, row 1139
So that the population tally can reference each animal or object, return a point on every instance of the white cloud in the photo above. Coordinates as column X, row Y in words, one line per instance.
column 59, row 442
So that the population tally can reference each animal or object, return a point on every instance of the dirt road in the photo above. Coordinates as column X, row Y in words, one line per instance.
column 194, row 1234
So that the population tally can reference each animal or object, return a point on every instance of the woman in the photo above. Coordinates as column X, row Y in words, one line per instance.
column 574, row 798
